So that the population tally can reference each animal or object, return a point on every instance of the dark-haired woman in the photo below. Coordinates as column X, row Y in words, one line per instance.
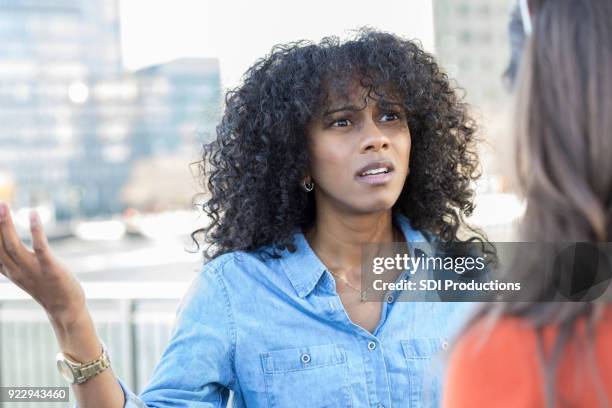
column 324, row 147
column 535, row 354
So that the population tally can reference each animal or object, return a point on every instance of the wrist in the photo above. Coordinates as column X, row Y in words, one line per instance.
column 76, row 336
column 70, row 322
column 68, row 316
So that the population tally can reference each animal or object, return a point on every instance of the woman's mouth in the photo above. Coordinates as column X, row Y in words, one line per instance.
column 376, row 176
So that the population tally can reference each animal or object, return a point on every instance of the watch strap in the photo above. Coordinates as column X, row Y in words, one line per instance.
column 84, row 371
column 93, row 368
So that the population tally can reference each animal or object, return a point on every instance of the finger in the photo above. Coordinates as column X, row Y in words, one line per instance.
column 5, row 260
column 14, row 253
column 7, row 267
column 7, row 264
column 39, row 240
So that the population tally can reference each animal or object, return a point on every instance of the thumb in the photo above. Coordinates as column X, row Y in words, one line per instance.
column 40, row 245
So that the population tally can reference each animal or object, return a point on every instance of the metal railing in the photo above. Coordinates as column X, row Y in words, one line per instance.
column 134, row 319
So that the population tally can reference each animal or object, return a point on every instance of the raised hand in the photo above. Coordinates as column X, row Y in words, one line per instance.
column 39, row 272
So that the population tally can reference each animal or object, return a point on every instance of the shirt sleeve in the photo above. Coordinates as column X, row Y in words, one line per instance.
column 196, row 368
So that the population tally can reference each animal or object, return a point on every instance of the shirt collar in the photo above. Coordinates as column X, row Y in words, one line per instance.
column 304, row 268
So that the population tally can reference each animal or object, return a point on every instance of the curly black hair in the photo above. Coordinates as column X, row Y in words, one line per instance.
column 254, row 167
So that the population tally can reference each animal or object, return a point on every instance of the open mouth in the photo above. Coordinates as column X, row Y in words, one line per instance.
column 374, row 172
column 377, row 175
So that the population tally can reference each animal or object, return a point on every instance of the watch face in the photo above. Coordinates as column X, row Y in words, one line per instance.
column 65, row 371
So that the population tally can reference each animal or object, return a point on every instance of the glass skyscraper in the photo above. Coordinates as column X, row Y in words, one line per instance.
column 73, row 121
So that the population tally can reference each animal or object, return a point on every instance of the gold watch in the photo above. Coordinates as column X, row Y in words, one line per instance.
column 77, row 373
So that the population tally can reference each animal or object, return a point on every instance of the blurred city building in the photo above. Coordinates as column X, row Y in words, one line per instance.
column 472, row 44
column 74, row 121
column 171, row 96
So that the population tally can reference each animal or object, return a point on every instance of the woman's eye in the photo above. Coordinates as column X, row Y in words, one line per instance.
column 390, row 116
column 341, row 123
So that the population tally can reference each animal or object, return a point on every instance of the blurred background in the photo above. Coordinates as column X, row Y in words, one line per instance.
column 104, row 106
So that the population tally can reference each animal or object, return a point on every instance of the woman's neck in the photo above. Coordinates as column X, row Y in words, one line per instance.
column 337, row 240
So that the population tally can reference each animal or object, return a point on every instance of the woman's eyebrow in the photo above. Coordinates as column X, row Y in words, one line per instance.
column 342, row 109
column 386, row 104
column 381, row 103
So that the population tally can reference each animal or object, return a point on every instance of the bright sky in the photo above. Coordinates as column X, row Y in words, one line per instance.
column 239, row 32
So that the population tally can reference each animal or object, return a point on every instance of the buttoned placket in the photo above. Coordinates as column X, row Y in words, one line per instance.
column 372, row 351
column 374, row 346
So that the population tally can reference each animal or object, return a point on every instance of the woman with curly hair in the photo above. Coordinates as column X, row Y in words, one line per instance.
column 322, row 148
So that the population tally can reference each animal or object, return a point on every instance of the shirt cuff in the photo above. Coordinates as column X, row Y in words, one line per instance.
column 131, row 399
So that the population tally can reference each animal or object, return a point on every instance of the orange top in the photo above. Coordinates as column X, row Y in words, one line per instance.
column 504, row 370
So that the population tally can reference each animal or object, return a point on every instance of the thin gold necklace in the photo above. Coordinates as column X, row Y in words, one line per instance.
column 343, row 279
column 362, row 293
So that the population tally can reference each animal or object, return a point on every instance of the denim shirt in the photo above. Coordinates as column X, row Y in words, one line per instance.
column 276, row 333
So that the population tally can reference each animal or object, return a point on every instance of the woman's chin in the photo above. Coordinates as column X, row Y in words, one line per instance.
column 376, row 206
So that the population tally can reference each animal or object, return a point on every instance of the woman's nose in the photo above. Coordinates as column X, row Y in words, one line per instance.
column 373, row 137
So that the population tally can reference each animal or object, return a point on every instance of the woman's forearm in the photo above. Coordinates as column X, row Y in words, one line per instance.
column 78, row 339
column 47, row 280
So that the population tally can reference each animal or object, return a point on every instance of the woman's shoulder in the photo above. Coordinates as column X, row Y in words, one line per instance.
column 509, row 340
column 489, row 342
column 238, row 259
column 222, row 279
column 237, row 270
column 493, row 361
column 492, row 332
column 504, row 354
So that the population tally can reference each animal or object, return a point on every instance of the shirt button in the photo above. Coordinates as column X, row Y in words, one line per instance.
column 371, row 345
column 389, row 298
column 444, row 345
column 305, row 358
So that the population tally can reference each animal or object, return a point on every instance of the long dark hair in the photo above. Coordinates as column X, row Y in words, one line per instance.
column 563, row 151
column 252, row 171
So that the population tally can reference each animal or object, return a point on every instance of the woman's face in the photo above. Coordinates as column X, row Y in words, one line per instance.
column 353, row 135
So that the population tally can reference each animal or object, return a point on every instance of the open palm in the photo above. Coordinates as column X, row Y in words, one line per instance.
column 38, row 272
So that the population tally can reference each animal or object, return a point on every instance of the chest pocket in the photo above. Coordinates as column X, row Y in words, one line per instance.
column 315, row 376
column 424, row 359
